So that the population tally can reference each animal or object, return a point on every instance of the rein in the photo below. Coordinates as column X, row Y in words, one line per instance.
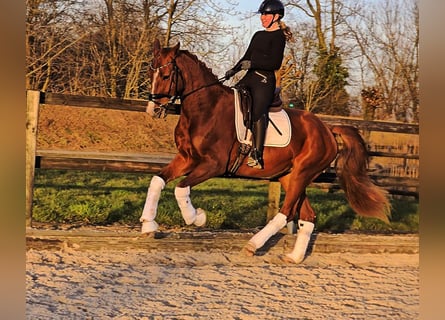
column 220, row 80
column 175, row 101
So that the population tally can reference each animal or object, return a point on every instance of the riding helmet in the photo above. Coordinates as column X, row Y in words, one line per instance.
column 272, row 7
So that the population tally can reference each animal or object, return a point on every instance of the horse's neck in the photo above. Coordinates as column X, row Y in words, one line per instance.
column 197, row 80
column 195, row 72
column 206, row 96
column 212, row 101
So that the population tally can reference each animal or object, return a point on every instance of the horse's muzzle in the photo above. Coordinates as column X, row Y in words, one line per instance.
column 155, row 110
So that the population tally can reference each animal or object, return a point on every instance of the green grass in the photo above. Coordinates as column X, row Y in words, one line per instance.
column 105, row 198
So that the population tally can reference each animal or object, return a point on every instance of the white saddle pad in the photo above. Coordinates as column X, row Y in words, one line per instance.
column 273, row 137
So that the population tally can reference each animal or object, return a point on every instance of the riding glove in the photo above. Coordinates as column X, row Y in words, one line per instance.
column 229, row 74
column 245, row 64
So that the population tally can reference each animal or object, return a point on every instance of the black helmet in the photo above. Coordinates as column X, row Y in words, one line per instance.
column 272, row 7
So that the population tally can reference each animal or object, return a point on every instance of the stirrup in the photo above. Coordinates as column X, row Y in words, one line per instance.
column 255, row 163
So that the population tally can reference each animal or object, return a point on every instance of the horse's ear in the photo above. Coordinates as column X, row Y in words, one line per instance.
column 176, row 48
column 156, row 46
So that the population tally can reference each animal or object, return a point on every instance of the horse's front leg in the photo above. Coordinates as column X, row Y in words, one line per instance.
column 148, row 216
column 182, row 195
column 202, row 172
column 173, row 170
column 178, row 167
column 189, row 213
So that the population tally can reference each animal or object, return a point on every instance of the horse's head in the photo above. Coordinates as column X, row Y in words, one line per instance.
column 167, row 81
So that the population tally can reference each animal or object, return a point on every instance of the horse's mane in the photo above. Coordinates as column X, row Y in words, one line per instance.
column 200, row 63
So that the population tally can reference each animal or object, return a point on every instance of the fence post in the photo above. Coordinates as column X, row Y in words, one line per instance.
column 274, row 199
column 32, row 112
column 274, row 205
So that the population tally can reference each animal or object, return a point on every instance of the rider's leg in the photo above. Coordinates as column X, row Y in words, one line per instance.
column 259, row 135
column 262, row 90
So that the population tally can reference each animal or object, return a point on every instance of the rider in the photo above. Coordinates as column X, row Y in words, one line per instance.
column 264, row 55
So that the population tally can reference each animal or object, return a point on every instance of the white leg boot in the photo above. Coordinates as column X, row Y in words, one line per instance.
column 302, row 242
column 151, row 205
column 260, row 238
column 189, row 213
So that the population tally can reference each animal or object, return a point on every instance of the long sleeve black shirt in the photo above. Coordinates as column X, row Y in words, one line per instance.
column 265, row 50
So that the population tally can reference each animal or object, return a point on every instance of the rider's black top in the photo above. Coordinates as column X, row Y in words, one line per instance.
column 265, row 50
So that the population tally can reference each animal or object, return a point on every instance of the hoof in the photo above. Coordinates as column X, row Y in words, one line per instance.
column 201, row 218
column 147, row 235
column 249, row 249
column 289, row 259
column 149, row 227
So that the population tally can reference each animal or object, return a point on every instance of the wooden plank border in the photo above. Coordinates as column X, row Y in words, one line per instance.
column 228, row 241
column 140, row 106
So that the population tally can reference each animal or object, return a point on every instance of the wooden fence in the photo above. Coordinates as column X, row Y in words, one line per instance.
column 136, row 162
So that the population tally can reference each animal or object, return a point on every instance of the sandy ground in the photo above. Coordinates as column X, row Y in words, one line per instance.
column 135, row 284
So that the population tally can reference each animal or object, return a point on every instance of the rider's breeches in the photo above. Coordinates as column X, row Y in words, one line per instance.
column 262, row 87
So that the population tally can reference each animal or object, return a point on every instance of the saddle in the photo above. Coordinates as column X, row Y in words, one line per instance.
column 246, row 103
column 277, row 135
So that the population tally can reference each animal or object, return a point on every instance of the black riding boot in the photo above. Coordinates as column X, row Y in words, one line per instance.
column 259, row 135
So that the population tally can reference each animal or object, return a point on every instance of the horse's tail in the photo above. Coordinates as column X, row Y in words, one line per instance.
column 365, row 198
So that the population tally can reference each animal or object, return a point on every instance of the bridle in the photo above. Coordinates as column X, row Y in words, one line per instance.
column 175, row 100
column 173, row 103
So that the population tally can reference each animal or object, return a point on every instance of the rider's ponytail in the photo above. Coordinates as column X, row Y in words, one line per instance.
column 286, row 31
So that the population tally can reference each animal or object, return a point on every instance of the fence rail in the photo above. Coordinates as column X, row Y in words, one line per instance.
column 136, row 162
column 100, row 161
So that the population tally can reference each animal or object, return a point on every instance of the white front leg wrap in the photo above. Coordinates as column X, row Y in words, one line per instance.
column 274, row 225
column 302, row 242
column 151, row 202
column 185, row 204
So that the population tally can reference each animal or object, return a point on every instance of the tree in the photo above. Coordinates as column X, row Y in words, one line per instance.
column 199, row 26
column 104, row 47
column 49, row 35
column 387, row 36
column 326, row 92
column 129, row 28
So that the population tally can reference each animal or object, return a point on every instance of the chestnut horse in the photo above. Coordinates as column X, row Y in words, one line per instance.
column 208, row 147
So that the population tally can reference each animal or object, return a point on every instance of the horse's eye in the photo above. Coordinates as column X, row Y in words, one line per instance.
column 165, row 77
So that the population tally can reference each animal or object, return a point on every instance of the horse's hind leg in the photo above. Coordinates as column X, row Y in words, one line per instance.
column 295, row 199
column 260, row 238
column 287, row 212
column 305, row 228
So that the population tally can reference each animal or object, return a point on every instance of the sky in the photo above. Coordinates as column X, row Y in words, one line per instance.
column 249, row 5
column 247, row 21
column 250, row 8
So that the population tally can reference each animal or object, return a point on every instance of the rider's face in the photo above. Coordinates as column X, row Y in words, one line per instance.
column 266, row 19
